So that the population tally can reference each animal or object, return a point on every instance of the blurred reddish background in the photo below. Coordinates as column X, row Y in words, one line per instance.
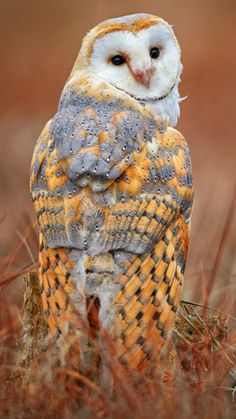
column 39, row 43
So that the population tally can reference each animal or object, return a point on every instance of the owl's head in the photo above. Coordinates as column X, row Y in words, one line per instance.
column 138, row 55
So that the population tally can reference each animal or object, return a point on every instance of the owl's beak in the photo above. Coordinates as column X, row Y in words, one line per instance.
column 143, row 77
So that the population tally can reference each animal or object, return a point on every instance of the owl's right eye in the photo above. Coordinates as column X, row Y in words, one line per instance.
column 118, row 59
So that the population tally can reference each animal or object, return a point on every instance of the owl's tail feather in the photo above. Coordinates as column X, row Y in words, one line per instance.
column 147, row 302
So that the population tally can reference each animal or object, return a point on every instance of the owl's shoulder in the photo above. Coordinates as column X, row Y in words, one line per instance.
column 174, row 149
column 173, row 138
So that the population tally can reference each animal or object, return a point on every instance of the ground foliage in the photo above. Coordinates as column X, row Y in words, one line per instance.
column 195, row 376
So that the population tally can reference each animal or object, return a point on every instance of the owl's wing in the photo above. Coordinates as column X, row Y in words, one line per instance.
column 151, row 283
column 137, row 224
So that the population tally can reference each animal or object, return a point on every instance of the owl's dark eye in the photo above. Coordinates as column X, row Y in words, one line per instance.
column 154, row 52
column 118, row 59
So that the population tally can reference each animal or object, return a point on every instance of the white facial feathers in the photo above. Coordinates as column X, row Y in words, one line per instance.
column 157, row 85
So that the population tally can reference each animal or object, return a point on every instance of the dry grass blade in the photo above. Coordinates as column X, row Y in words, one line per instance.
column 9, row 260
column 16, row 275
column 208, row 308
column 220, row 249
column 77, row 375
column 26, row 246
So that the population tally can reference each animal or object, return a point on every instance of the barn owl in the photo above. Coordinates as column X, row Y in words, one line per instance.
column 111, row 185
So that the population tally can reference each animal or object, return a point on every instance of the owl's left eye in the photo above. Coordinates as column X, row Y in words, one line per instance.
column 118, row 59
column 154, row 52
